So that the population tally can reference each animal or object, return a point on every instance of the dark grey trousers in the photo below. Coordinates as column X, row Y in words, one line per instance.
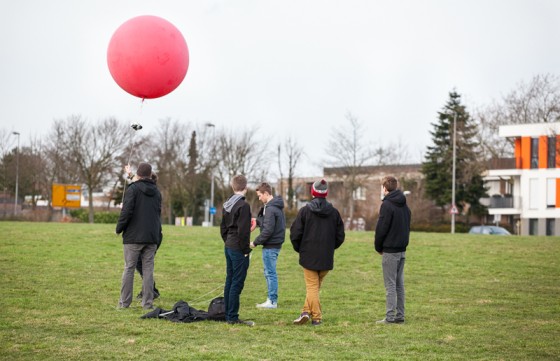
column 393, row 276
column 131, row 254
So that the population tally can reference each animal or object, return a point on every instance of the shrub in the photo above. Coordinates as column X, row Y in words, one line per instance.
column 82, row 215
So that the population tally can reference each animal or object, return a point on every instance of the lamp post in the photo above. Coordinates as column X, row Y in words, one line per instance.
column 453, row 207
column 17, row 173
column 210, row 125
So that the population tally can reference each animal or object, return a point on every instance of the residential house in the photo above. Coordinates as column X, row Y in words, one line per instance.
column 366, row 198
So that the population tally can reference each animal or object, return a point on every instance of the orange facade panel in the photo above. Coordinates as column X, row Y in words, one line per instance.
column 517, row 152
column 525, row 152
column 543, row 146
column 558, row 151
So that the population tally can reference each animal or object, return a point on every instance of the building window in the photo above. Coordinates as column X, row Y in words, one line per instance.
column 360, row 194
column 550, row 222
column 551, row 193
column 534, row 153
column 533, row 226
column 533, row 193
column 551, row 162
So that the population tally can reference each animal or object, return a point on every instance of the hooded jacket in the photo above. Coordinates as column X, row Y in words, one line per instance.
column 235, row 228
column 316, row 232
column 393, row 226
column 272, row 223
column 140, row 220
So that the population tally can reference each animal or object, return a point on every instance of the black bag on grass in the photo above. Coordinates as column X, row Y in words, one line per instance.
column 217, row 309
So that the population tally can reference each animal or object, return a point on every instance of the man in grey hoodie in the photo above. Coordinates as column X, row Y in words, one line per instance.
column 235, row 230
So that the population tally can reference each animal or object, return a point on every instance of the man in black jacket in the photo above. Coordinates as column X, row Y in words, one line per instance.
column 391, row 239
column 235, row 230
column 140, row 224
column 316, row 232
column 272, row 223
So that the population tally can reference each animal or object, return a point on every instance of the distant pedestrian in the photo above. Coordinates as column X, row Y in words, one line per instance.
column 272, row 223
column 315, row 234
column 140, row 224
column 235, row 230
column 391, row 239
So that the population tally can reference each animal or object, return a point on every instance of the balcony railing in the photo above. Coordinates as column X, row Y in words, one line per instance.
column 501, row 202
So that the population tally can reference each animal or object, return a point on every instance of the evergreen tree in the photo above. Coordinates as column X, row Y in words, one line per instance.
column 438, row 163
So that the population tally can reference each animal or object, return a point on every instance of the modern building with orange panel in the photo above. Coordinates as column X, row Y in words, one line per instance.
column 526, row 195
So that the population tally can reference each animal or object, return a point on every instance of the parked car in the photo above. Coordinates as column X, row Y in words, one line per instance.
column 489, row 230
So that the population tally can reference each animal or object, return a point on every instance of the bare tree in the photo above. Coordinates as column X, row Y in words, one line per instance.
column 293, row 153
column 349, row 152
column 537, row 101
column 91, row 150
column 170, row 152
column 394, row 154
column 7, row 142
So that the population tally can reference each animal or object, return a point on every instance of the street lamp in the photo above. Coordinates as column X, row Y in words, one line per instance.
column 17, row 173
column 453, row 207
column 210, row 125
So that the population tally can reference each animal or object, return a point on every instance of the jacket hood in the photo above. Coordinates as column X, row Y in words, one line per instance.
column 396, row 197
column 320, row 207
column 277, row 202
column 146, row 186
column 228, row 205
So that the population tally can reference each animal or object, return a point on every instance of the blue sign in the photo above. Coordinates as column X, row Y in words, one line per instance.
column 212, row 210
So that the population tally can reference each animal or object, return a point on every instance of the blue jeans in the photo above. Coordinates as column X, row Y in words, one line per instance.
column 236, row 272
column 393, row 276
column 269, row 257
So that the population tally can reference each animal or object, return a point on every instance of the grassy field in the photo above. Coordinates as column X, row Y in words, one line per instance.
column 468, row 298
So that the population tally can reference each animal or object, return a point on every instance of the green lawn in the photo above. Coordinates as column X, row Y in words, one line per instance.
column 468, row 298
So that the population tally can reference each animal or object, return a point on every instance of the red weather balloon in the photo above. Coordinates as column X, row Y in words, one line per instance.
column 148, row 57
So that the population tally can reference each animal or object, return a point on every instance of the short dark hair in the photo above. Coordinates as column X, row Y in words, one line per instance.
column 264, row 187
column 390, row 183
column 144, row 170
column 239, row 183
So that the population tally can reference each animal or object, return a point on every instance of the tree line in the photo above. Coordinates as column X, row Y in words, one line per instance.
column 188, row 156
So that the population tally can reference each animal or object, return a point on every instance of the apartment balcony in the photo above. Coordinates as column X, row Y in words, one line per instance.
column 502, row 204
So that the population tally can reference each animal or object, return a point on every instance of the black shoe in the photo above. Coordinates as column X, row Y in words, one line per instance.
column 156, row 295
column 399, row 320
column 139, row 296
column 386, row 322
column 241, row 322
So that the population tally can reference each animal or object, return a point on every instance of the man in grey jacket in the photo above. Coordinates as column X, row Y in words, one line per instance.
column 272, row 223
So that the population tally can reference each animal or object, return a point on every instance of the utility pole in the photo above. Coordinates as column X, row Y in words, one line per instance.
column 17, row 173
column 453, row 207
column 211, row 205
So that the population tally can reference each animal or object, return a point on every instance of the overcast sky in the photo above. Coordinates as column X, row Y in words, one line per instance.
column 291, row 67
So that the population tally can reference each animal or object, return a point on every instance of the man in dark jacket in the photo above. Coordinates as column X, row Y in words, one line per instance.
column 316, row 232
column 140, row 224
column 391, row 239
column 272, row 223
column 235, row 230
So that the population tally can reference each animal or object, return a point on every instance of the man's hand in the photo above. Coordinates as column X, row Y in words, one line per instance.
column 253, row 224
column 252, row 245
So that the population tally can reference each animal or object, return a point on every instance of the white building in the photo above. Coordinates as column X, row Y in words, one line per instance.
column 526, row 194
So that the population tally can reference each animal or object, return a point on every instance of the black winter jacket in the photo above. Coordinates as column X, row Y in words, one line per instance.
column 393, row 226
column 140, row 220
column 272, row 223
column 235, row 228
column 316, row 232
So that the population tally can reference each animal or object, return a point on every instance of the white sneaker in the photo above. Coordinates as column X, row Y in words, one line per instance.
column 267, row 304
